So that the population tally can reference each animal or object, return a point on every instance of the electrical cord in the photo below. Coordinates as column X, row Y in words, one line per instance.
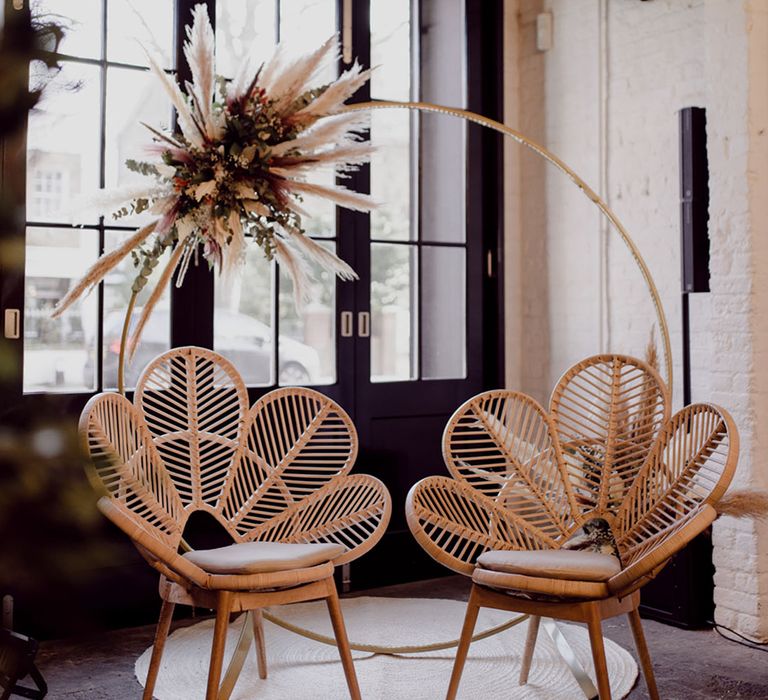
column 742, row 640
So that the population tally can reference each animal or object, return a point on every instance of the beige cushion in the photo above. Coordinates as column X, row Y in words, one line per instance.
column 263, row 557
column 553, row 563
column 545, row 588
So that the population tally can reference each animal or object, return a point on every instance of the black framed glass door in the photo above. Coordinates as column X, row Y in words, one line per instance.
column 430, row 300
column 401, row 347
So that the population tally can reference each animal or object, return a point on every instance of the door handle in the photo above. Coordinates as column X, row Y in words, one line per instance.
column 363, row 324
column 346, row 32
column 346, row 324
column 12, row 325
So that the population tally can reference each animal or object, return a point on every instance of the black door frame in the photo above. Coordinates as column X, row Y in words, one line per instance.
column 397, row 557
column 485, row 206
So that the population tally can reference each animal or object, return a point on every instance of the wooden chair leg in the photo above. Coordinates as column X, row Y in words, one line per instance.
column 642, row 651
column 530, row 645
column 594, row 622
column 223, row 605
column 161, row 634
column 259, row 642
column 470, row 618
column 337, row 620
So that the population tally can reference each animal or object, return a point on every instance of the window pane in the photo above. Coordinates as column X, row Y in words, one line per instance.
column 63, row 145
column 305, row 25
column 443, row 325
column 391, row 49
column 443, row 52
column 242, row 319
column 244, row 28
column 393, row 165
column 307, row 351
column 136, row 25
column 442, row 186
column 393, row 324
column 132, row 97
column 392, row 176
column 156, row 337
column 442, row 138
column 81, row 20
column 56, row 352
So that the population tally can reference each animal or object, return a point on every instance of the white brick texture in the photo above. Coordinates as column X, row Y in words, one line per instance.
column 606, row 99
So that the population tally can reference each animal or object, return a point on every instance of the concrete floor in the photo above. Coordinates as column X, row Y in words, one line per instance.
column 689, row 665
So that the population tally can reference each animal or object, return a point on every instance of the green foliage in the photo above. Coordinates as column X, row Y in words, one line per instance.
column 142, row 167
column 137, row 206
column 146, row 259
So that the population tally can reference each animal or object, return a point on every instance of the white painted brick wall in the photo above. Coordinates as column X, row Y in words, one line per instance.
column 660, row 56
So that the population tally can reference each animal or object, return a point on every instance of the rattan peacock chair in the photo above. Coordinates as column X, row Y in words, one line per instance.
column 525, row 482
column 276, row 476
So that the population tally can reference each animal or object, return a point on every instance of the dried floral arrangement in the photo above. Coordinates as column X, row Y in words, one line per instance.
column 238, row 168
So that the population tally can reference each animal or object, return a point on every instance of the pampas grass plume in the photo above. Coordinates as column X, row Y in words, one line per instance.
column 744, row 504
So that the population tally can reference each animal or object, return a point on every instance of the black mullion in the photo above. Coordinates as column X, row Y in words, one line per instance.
column 58, row 224
column 485, row 215
column 275, row 324
column 415, row 179
column 82, row 60
column 436, row 244
column 192, row 304
column 416, row 322
column 275, row 378
column 13, row 149
column 99, row 359
column 112, row 227
column 95, row 227
column 354, row 242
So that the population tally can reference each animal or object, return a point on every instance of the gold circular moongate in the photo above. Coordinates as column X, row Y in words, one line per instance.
column 588, row 192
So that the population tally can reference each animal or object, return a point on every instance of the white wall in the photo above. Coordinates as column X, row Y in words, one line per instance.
column 606, row 99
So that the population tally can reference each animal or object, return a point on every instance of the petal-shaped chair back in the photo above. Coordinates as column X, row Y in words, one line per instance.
column 298, row 441
column 126, row 465
column 503, row 444
column 607, row 411
column 525, row 479
column 278, row 471
column 690, row 466
column 194, row 403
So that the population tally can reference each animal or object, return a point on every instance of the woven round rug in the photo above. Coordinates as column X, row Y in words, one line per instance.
column 300, row 668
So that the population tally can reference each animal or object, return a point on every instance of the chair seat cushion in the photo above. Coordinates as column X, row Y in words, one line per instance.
column 553, row 563
column 263, row 557
column 537, row 587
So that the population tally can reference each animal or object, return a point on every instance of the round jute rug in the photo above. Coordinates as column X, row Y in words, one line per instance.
column 301, row 669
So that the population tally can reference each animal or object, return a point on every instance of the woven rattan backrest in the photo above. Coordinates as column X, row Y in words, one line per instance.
column 607, row 411
column 194, row 404
column 523, row 479
column 501, row 443
column 691, row 464
column 278, row 471
column 298, row 441
column 127, row 466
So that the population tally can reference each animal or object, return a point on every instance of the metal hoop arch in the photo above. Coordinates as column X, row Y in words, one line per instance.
column 562, row 167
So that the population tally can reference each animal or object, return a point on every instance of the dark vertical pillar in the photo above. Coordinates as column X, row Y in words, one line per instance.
column 694, row 222
column 192, row 303
column 683, row 592
column 485, row 95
